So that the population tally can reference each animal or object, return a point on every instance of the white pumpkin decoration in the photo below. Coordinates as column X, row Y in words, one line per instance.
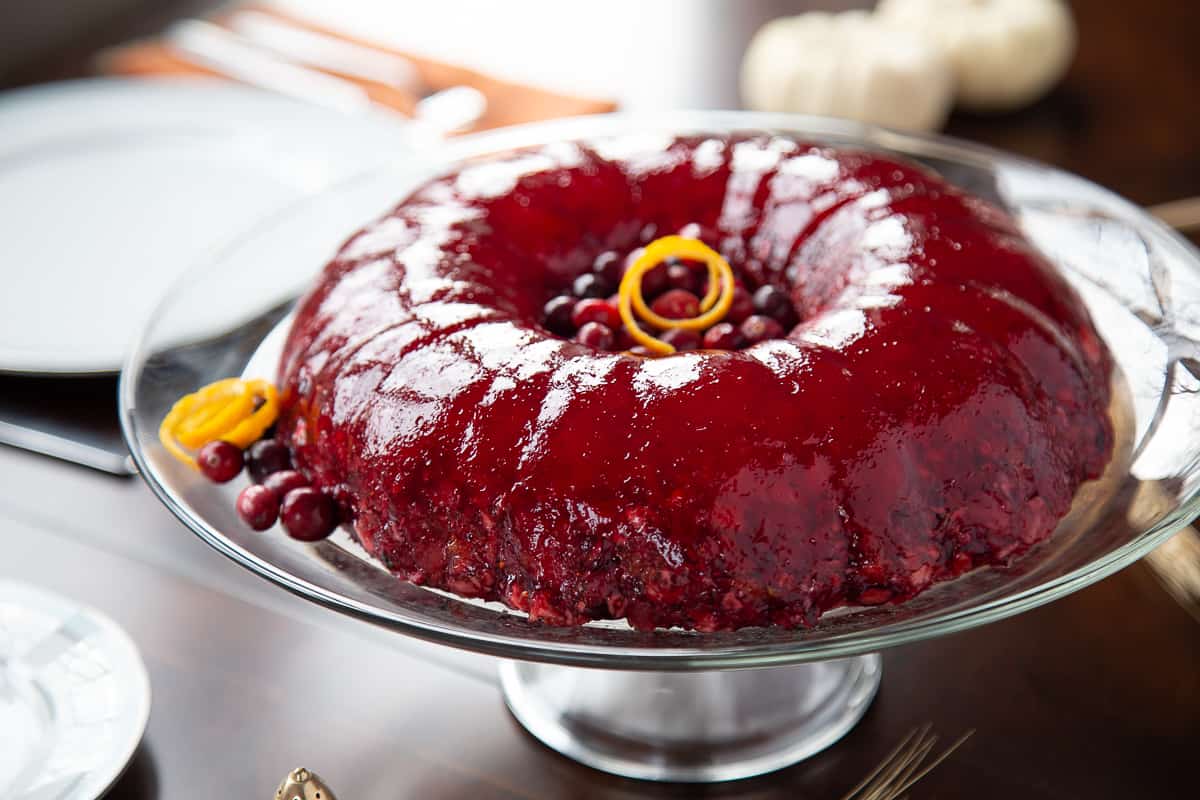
column 848, row 65
column 1005, row 53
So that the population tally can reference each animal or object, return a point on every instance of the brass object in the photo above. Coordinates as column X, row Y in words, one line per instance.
column 302, row 784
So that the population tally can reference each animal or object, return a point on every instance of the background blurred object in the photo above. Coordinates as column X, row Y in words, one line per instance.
column 644, row 55
column 1183, row 214
column 1005, row 53
column 668, row 53
column 901, row 65
column 313, row 62
column 848, row 65
column 1176, row 563
column 29, row 30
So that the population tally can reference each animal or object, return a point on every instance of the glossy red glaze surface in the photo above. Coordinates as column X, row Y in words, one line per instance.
column 935, row 410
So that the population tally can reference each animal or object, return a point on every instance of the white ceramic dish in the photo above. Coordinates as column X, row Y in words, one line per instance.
column 74, row 697
column 110, row 188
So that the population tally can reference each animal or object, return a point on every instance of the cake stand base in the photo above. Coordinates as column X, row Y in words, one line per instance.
column 691, row 726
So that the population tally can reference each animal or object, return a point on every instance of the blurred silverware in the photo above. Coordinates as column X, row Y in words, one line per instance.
column 452, row 109
column 61, row 447
column 286, row 59
column 904, row 766
column 216, row 48
column 320, row 50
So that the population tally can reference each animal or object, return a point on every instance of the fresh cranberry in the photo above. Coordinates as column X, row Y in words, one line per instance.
column 640, row 350
column 774, row 303
column 622, row 340
column 595, row 334
column 681, row 339
column 258, row 506
column 759, row 328
column 557, row 314
column 681, row 275
column 267, row 456
column 589, row 284
column 609, row 266
column 676, row 304
column 723, row 336
column 655, row 282
column 595, row 310
column 283, row 482
column 741, row 307
column 307, row 514
column 220, row 461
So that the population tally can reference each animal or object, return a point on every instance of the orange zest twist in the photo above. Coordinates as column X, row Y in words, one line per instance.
column 713, row 307
column 228, row 409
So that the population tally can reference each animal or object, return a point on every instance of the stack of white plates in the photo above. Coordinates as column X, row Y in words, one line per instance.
column 110, row 188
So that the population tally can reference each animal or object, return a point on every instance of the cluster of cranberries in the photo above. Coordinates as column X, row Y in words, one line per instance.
column 278, row 491
column 588, row 312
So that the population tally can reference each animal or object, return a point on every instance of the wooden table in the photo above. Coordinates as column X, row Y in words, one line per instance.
column 1095, row 696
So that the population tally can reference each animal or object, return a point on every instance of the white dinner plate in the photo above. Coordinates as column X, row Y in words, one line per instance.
column 109, row 188
column 74, row 697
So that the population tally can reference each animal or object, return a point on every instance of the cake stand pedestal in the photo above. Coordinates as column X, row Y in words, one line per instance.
column 691, row 726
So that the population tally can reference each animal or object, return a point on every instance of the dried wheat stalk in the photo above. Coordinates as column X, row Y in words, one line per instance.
column 904, row 766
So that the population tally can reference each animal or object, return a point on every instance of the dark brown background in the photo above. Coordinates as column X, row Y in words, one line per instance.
column 1095, row 696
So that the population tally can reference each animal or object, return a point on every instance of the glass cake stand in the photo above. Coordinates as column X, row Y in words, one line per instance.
column 670, row 704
